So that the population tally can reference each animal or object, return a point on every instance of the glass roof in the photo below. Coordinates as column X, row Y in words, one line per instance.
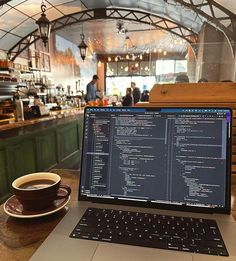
column 18, row 17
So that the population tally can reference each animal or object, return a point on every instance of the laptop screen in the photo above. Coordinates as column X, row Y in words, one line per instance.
column 159, row 157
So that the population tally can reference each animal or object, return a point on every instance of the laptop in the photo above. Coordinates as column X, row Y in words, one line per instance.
column 154, row 185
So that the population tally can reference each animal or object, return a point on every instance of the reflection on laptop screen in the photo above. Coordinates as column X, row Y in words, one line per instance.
column 167, row 156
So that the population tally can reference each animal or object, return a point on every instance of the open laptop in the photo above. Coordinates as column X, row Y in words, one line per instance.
column 144, row 170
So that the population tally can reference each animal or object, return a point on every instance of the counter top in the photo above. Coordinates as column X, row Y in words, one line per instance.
column 34, row 125
column 53, row 115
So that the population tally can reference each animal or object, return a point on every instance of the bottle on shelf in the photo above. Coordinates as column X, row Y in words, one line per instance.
column 19, row 109
column 83, row 102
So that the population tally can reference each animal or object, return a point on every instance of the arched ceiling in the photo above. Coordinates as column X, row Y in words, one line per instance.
column 17, row 20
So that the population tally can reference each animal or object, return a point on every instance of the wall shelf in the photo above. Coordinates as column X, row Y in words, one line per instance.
column 9, row 69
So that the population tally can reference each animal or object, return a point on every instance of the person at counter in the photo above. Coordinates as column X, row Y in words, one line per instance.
column 182, row 78
column 136, row 92
column 91, row 89
column 128, row 99
column 145, row 96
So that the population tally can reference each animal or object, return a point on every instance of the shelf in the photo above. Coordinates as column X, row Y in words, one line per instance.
column 34, row 69
column 21, row 85
column 26, row 72
column 7, row 69
column 7, row 83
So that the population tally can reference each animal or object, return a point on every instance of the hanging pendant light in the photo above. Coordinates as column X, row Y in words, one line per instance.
column 44, row 25
column 82, row 47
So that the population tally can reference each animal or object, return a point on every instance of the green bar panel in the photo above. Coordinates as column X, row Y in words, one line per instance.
column 68, row 141
column 46, row 149
column 21, row 159
column 4, row 188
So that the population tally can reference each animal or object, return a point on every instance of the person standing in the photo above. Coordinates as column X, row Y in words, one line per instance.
column 128, row 99
column 91, row 89
column 136, row 92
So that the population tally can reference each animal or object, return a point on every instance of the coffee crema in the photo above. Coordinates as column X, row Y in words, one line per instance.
column 37, row 184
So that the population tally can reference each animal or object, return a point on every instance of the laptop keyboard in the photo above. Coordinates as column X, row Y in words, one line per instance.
column 151, row 230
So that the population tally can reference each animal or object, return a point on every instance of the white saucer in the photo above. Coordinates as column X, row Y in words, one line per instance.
column 14, row 208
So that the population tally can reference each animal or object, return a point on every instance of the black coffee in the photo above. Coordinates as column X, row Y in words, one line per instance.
column 37, row 184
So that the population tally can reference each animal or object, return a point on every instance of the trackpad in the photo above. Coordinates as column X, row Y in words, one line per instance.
column 116, row 252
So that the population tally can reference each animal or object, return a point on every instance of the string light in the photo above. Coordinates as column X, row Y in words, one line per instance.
column 109, row 59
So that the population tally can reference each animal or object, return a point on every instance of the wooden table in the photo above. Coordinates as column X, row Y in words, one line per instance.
column 19, row 238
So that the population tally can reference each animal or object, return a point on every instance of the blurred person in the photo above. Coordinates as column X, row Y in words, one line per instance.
column 203, row 80
column 145, row 96
column 91, row 89
column 226, row 81
column 128, row 99
column 182, row 78
column 136, row 92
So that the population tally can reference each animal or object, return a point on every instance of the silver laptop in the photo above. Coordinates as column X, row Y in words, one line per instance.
column 154, row 185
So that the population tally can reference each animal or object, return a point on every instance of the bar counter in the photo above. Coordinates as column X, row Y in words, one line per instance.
column 44, row 120
column 20, row 238
column 39, row 144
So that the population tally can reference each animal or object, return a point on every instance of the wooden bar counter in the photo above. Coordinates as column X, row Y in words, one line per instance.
column 19, row 238
column 39, row 144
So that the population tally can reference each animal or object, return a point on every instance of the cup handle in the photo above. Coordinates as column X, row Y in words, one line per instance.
column 65, row 187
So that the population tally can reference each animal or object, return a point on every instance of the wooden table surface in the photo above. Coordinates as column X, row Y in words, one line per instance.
column 19, row 238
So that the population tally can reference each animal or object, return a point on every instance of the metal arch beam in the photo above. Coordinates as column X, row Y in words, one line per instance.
column 155, row 21
column 107, row 13
column 218, row 21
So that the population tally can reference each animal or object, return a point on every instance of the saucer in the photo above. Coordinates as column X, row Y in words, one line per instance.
column 14, row 208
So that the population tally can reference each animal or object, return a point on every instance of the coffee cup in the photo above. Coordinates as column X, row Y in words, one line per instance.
column 38, row 191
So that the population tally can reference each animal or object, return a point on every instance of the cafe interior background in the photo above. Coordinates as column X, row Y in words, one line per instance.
column 147, row 42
